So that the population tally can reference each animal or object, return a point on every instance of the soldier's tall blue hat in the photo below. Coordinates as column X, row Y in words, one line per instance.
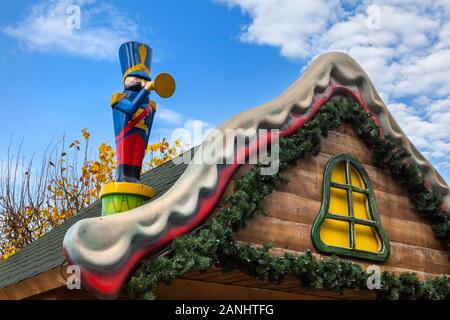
column 135, row 59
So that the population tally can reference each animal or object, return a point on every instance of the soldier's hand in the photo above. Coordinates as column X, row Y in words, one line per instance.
column 148, row 85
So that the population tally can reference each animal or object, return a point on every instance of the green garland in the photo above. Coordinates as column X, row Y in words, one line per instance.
column 214, row 243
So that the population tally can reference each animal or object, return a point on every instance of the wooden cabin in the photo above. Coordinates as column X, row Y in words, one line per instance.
column 335, row 201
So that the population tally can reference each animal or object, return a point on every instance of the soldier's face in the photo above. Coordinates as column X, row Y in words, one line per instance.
column 133, row 82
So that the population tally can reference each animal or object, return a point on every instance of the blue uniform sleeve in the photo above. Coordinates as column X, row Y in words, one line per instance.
column 130, row 106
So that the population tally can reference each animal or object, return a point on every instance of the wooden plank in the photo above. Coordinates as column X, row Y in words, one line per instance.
column 310, row 172
column 345, row 140
column 186, row 289
column 289, row 284
column 296, row 236
column 411, row 233
column 43, row 282
column 308, row 185
column 239, row 278
column 63, row 293
column 217, row 275
column 341, row 141
column 284, row 234
column 397, row 206
column 290, row 207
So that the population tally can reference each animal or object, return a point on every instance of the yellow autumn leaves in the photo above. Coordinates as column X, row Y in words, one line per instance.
column 161, row 152
column 67, row 182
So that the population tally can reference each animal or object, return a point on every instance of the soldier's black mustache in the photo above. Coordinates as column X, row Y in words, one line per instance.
column 134, row 87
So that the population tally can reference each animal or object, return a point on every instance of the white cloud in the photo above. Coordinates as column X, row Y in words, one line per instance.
column 426, row 75
column 439, row 106
column 407, row 55
column 102, row 29
column 190, row 131
column 286, row 24
column 169, row 116
column 423, row 130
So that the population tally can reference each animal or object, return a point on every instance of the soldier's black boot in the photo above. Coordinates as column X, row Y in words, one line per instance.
column 128, row 173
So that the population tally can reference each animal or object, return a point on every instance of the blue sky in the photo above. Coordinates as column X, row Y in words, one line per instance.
column 226, row 56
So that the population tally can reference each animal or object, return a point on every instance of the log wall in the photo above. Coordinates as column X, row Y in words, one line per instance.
column 293, row 208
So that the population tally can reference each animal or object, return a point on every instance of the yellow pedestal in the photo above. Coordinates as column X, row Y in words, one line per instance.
column 123, row 196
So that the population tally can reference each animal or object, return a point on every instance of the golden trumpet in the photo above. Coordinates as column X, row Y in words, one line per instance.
column 163, row 85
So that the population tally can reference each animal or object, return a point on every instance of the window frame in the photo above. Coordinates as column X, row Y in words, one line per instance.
column 324, row 213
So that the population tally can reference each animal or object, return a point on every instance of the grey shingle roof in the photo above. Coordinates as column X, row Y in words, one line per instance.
column 46, row 253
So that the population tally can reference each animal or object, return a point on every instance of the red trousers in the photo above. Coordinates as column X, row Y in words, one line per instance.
column 130, row 150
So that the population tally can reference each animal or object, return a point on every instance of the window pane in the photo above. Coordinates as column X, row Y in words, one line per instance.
column 361, row 206
column 366, row 239
column 338, row 173
column 336, row 229
column 335, row 233
column 338, row 201
column 357, row 180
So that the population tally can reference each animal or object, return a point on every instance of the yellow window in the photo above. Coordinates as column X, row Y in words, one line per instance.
column 348, row 223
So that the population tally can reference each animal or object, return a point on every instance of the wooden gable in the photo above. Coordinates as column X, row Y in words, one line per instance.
column 293, row 207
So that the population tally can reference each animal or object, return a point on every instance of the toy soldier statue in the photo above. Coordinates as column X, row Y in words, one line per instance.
column 133, row 111
column 133, row 114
